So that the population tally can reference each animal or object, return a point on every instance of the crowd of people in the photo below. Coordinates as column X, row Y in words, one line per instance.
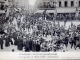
column 17, row 31
column 59, row 16
column 62, row 16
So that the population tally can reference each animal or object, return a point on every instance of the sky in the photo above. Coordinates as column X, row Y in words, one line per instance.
column 32, row 2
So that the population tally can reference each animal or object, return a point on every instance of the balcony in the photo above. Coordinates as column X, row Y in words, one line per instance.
column 46, row 6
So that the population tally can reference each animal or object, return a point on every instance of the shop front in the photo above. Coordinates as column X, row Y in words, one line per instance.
column 66, row 13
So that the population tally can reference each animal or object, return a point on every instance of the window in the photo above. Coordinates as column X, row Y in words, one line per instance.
column 79, row 3
column 44, row 4
column 59, row 3
column 72, row 3
column 66, row 4
column 2, row 6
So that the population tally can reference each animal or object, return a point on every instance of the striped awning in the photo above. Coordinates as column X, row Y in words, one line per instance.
column 66, row 10
column 39, row 11
column 50, row 11
column 2, row 11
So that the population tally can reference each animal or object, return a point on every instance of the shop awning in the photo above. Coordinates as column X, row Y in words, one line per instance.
column 66, row 10
column 50, row 11
column 39, row 11
column 2, row 11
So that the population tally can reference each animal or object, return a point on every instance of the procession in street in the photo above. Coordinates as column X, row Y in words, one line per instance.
column 28, row 34
column 45, row 30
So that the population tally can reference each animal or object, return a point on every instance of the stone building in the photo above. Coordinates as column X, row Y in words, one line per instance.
column 59, row 7
column 3, row 7
column 21, row 4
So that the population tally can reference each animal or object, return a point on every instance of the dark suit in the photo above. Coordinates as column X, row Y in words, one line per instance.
column 66, row 41
column 27, row 46
column 37, row 47
column 41, row 40
column 1, row 43
column 30, row 44
column 20, row 44
column 73, row 43
column 7, row 42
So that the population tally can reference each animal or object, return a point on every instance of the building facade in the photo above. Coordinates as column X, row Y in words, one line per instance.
column 59, row 7
column 4, row 8
column 21, row 4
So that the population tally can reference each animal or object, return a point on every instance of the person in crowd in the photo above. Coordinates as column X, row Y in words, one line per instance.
column 27, row 46
column 15, row 37
column 37, row 46
column 20, row 43
column 1, row 42
column 7, row 44
column 65, row 41
column 73, row 41
column 30, row 44
column 41, row 39
column 10, row 39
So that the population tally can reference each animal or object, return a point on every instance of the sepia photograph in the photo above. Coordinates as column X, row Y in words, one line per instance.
column 39, row 25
